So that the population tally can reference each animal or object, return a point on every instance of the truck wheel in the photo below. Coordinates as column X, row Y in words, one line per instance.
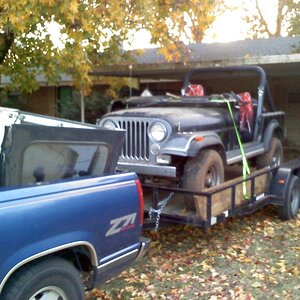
column 201, row 172
column 273, row 157
column 53, row 278
column 291, row 203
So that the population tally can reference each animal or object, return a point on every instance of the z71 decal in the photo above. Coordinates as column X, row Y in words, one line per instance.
column 121, row 224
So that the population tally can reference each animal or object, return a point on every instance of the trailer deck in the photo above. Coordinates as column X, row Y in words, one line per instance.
column 279, row 186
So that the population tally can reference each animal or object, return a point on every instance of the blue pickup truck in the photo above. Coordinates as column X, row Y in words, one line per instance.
column 67, row 220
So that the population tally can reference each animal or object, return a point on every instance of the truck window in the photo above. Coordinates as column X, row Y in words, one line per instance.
column 44, row 161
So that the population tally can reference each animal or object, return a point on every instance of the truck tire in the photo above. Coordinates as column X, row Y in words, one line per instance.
column 273, row 157
column 203, row 171
column 291, row 202
column 53, row 278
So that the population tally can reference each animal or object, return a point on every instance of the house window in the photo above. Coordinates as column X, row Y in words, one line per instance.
column 65, row 96
column 14, row 99
column 294, row 97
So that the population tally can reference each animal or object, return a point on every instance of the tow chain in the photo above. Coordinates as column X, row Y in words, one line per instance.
column 160, row 207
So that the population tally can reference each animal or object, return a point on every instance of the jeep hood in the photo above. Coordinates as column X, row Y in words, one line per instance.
column 189, row 119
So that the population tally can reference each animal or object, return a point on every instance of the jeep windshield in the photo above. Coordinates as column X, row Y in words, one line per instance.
column 165, row 101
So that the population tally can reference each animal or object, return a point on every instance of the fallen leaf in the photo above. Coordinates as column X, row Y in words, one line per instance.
column 256, row 284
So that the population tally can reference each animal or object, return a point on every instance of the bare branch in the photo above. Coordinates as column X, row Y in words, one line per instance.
column 262, row 19
column 281, row 4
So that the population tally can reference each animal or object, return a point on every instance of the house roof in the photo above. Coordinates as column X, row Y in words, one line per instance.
column 232, row 50
column 41, row 79
column 276, row 55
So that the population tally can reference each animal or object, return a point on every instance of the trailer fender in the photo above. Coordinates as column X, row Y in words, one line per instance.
column 285, row 186
column 279, row 182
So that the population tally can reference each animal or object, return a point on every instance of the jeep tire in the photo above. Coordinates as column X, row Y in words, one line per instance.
column 201, row 172
column 273, row 157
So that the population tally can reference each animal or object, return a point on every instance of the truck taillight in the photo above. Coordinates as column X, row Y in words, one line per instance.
column 141, row 201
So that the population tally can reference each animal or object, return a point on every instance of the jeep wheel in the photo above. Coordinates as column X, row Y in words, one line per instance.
column 273, row 157
column 201, row 172
column 52, row 278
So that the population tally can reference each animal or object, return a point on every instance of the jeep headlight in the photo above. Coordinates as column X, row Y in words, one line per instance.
column 157, row 132
column 109, row 124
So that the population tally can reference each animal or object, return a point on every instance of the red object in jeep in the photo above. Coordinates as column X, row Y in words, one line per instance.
column 194, row 90
column 246, row 111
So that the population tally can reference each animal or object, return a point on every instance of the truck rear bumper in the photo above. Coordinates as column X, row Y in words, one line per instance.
column 117, row 263
column 145, row 244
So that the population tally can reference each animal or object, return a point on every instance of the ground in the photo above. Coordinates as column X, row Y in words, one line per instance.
column 252, row 257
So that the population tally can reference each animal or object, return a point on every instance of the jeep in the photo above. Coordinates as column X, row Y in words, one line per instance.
column 191, row 137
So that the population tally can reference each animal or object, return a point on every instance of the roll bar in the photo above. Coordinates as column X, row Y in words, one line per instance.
column 263, row 88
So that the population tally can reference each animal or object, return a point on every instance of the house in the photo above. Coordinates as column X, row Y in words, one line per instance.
column 280, row 57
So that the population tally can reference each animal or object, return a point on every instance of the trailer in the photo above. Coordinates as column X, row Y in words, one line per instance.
column 278, row 186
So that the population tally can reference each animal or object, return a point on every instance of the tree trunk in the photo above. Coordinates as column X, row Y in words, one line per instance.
column 6, row 41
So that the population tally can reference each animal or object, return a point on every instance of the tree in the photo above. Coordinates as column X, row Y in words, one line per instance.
column 96, row 105
column 90, row 32
column 285, row 21
column 294, row 24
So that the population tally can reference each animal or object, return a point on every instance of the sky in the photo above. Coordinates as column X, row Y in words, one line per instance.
column 226, row 28
column 229, row 26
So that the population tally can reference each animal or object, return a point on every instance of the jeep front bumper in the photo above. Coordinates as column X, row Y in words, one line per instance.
column 148, row 169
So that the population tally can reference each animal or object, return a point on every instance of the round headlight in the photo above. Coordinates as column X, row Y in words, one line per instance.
column 109, row 124
column 157, row 132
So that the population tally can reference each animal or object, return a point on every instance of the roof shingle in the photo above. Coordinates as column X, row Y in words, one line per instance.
column 231, row 50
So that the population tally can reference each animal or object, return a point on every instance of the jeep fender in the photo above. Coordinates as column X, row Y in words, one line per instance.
column 189, row 144
column 210, row 141
column 273, row 129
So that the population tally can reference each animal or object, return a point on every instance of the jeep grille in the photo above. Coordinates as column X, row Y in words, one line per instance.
column 136, row 145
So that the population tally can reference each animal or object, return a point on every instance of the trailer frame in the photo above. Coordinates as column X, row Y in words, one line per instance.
column 277, row 192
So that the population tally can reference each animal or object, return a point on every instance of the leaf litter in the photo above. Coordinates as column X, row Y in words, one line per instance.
column 246, row 258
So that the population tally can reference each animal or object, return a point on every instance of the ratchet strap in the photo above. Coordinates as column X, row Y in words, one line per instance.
column 246, row 169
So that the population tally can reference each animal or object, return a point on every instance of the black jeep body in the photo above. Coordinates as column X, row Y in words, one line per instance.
column 192, row 138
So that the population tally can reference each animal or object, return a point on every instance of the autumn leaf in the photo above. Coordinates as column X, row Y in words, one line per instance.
column 236, row 261
column 90, row 34
column 256, row 284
